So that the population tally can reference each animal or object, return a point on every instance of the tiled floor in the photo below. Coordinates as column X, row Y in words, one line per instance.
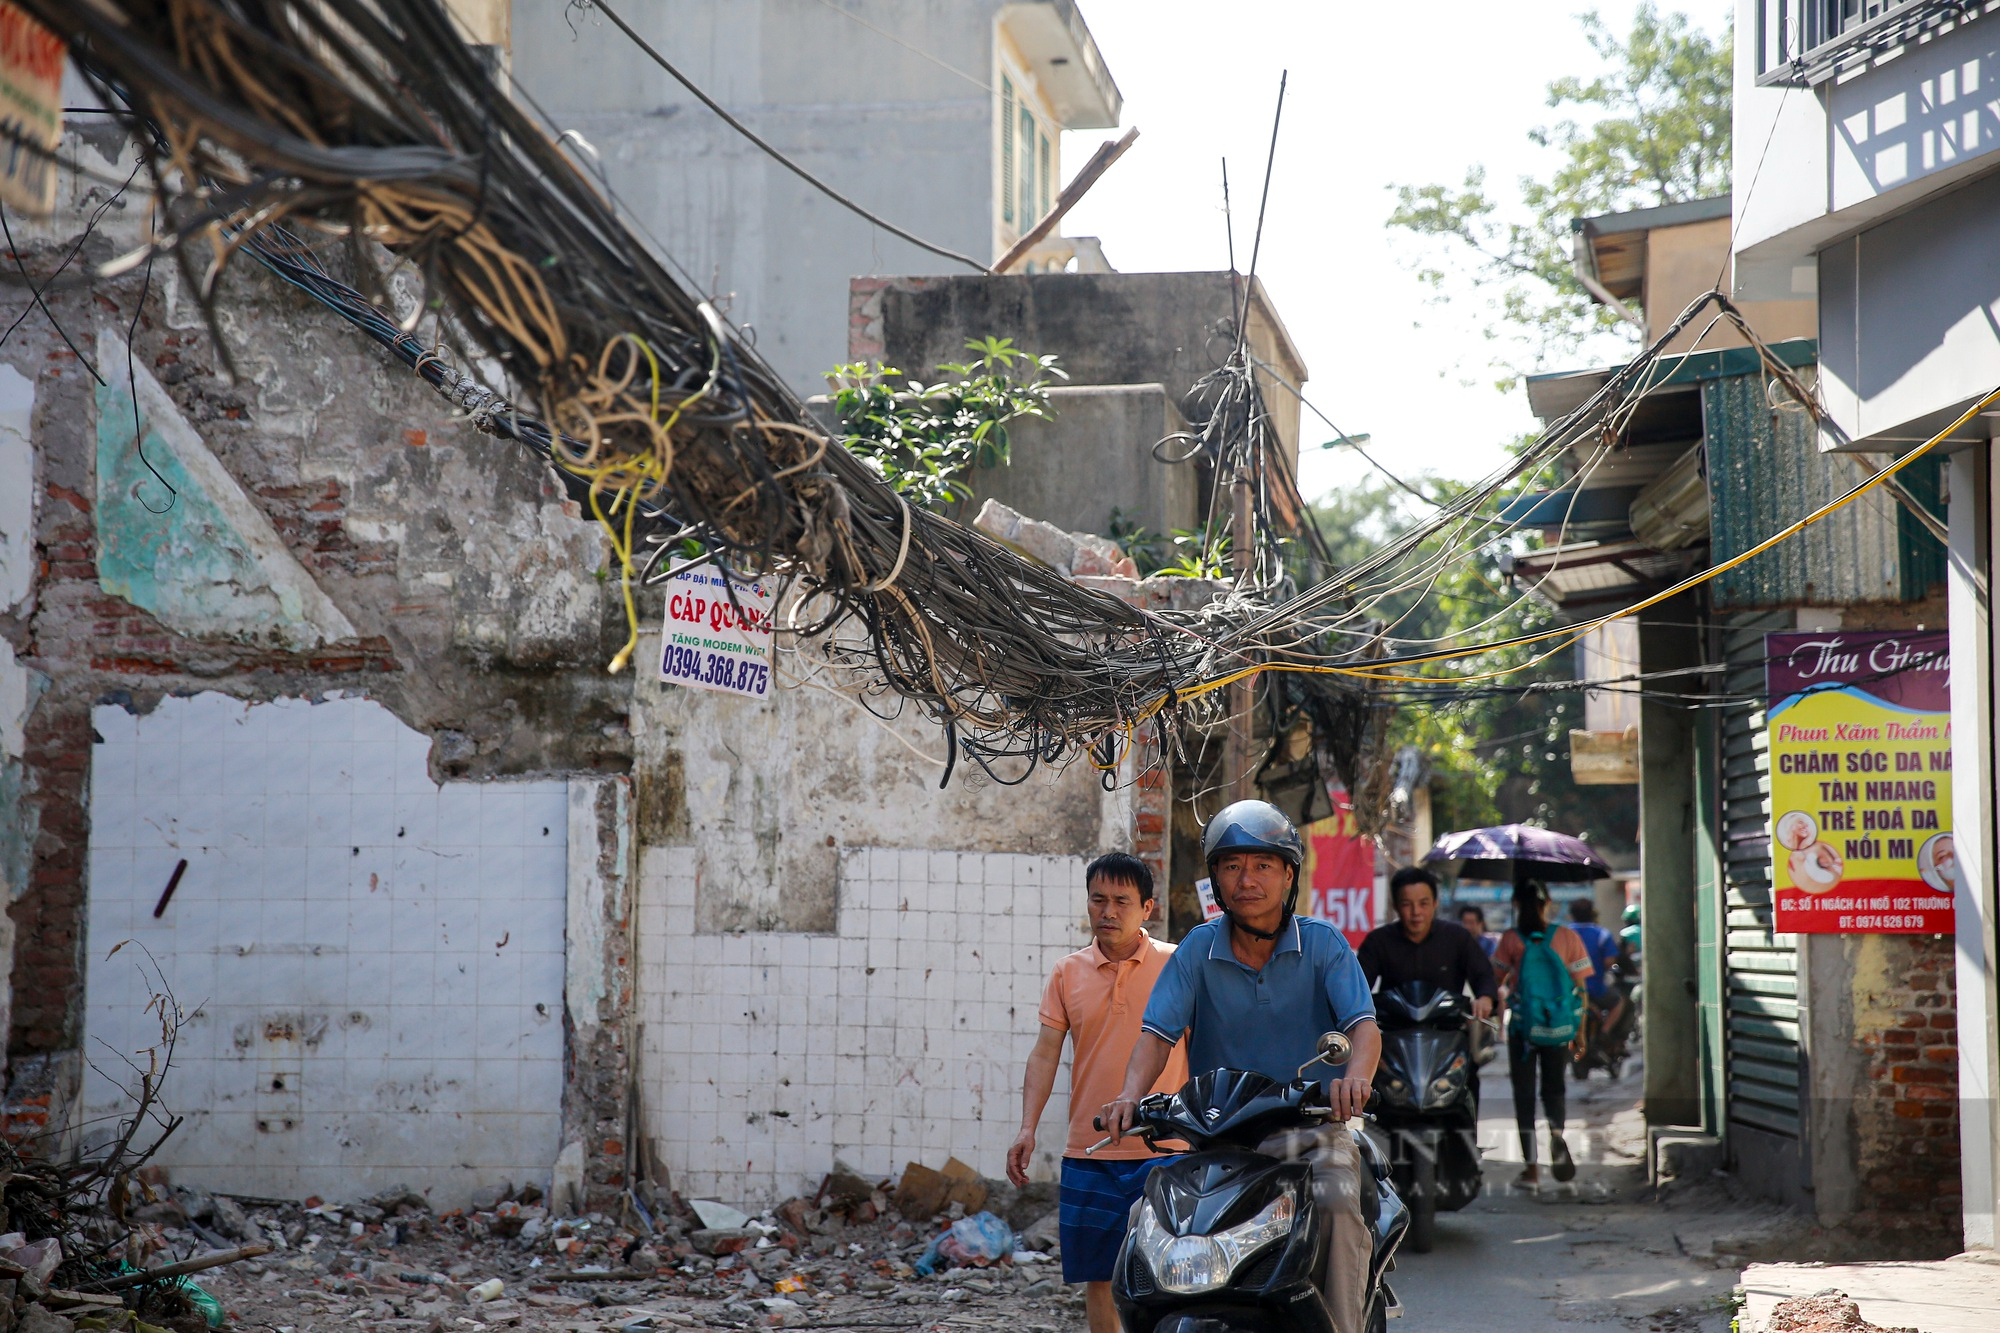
column 374, row 963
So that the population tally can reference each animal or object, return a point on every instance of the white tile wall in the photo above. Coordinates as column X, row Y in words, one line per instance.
column 769, row 1057
column 374, row 962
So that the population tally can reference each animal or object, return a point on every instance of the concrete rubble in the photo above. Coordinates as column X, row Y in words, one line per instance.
column 844, row 1257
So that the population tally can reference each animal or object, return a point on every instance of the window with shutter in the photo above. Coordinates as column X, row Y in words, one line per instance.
column 1027, row 168
column 1048, row 201
column 1006, row 149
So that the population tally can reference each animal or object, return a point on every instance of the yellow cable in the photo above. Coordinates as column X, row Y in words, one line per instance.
column 1569, row 634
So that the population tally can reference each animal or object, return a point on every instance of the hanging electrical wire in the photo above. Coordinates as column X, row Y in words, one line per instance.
column 308, row 133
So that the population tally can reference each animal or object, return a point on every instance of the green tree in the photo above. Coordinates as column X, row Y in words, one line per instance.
column 926, row 439
column 1496, row 755
column 1652, row 128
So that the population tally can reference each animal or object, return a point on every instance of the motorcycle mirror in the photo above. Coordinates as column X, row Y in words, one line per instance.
column 1334, row 1048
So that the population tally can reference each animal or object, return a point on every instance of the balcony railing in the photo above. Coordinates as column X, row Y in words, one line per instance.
column 1807, row 42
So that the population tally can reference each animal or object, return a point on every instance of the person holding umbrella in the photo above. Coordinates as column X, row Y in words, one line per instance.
column 1542, row 966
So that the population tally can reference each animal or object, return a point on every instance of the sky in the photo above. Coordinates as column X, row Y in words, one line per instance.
column 1378, row 95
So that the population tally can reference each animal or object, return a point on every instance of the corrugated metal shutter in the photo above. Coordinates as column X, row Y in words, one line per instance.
column 1765, row 472
column 1760, row 969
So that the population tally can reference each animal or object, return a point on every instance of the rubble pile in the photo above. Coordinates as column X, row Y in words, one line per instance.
column 71, row 1259
column 1824, row 1312
column 846, row 1256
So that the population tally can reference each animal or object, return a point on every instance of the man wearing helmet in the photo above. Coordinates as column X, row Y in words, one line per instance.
column 1254, row 989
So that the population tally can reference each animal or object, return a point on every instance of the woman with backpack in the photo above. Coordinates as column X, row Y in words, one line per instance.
column 1543, row 965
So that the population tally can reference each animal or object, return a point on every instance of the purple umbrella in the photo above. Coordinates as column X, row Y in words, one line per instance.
column 1520, row 849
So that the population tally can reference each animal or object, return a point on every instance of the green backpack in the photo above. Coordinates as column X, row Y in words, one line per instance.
column 1546, row 999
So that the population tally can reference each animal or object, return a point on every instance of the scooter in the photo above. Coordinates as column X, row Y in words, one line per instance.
column 1606, row 1046
column 1426, row 1103
column 1228, row 1240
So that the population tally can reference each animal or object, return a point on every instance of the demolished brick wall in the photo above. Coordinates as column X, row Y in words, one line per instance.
column 1906, row 1116
column 470, row 588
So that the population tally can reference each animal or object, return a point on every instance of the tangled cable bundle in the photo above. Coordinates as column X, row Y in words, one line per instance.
column 280, row 128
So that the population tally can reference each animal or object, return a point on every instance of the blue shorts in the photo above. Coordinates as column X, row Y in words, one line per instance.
column 1096, row 1199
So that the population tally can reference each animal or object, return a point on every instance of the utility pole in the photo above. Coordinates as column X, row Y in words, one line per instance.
column 1239, row 753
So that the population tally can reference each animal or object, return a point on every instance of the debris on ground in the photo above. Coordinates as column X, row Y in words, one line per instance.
column 845, row 1256
column 1826, row 1311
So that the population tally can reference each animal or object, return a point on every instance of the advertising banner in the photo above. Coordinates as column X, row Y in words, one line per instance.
column 1337, row 883
column 31, row 68
column 1860, row 736
column 713, row 640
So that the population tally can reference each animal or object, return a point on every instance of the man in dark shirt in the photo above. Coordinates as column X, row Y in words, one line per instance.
column 1419, row 947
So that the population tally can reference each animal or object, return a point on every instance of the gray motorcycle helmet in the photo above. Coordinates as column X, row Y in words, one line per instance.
column 1255, row 826
column 1252, row 826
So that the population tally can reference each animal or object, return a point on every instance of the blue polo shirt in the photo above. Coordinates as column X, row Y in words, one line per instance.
column 1268, row 1021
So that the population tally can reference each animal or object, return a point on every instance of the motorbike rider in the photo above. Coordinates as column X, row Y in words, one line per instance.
column 1604, row 950
column 1416, row 946
column 1254, row 989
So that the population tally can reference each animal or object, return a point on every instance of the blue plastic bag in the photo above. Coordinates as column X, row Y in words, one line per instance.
column 970, row 1242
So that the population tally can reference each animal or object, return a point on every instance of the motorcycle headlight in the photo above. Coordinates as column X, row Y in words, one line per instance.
column 1188, row 1265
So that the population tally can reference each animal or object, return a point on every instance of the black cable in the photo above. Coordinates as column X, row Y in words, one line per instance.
column 36, row 301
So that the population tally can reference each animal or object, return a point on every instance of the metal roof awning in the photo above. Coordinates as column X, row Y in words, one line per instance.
column 1589, row 574
column 1572, row 511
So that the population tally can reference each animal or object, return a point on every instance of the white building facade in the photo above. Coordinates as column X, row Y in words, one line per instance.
column 944, row 117
column 1868, row 176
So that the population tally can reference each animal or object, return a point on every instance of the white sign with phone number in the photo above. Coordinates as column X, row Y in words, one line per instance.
column 712, row 641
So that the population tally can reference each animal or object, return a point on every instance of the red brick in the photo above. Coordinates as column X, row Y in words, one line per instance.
column 1921, row 1074
column 1944, row 1055
column 1948, row 1021
column 1926, row 1092
column 72, row 498
column 1910, row 1110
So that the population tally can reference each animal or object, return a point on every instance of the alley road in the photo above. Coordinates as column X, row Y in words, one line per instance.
column 1590, row 1256
column 1594, row 1256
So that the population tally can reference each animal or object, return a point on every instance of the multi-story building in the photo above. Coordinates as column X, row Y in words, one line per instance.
column 944, row 117
column 1868, row 176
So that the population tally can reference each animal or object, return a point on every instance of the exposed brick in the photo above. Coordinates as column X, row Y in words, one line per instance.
column 1921, row 1074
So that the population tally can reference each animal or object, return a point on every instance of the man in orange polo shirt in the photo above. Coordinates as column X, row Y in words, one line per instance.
column 1097, row 995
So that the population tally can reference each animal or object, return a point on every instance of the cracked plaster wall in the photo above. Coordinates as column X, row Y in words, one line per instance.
column 767, row 792
column 342, row 533
column 462, row 594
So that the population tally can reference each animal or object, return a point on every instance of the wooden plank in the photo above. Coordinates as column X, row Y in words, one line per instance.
column 1100, row 161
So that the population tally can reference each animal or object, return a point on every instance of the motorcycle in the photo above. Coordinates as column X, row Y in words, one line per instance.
column 1606, row 1046
column 1426, row 1102
column 1229, row 1240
